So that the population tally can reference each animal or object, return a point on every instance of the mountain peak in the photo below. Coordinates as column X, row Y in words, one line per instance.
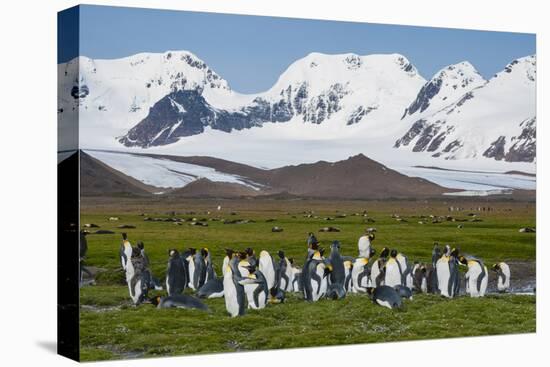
column 445, row 87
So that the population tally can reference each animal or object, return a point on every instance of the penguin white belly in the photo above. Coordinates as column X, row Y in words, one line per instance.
column 135, row 293
column 191, row 272
column 503, row 284
column 168, row 284
column 375, row 273
column 364, row 246
column 383, row 303
column 393, row 275
column 230, row 295
column 130, row 271
column 484, row 281
column 225, row 265
column 424, row 285
column 216, row 295
column 443, row 276
column 290, row 276
column 358, row 286
column 474, row 271
column 267, row 268
column 322, row 288
column 249, row 291
column 296, row 274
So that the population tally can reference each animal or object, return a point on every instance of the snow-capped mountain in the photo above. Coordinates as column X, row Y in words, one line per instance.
column 495, row 119
column 336, row 89
column 173, row 102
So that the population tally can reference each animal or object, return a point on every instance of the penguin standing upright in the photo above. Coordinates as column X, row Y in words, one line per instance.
column 377, row 268
column 296, row 278
column 337, row 279
column 393, row 273
column 286, row 273
column 348, row 283
column 314, row 277
column 406, row 270
column 448, row 280
column 176, row 279
column 364, row 245
column 420, row 278
column 210, row 272
column 267, row 266
column 189, row 261
column 360, row 275
column 431, row 274
column 233, row 288
column 257, row 293
column 476, row 277
column 503, row 276
column 138, row 285
column 228, row 254
column 125, row 256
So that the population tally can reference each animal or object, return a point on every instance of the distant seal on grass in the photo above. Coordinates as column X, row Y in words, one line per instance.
column 503, row 276
column 179, row 301
column 386, row 297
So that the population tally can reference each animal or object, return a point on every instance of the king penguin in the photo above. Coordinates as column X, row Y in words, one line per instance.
column 365, row 244
column 348, row 268
column 337, row 279
column 176, row 279
column 393, row 272
column 125, row 256
column 257, row 293
column 179, row 301
column 267, row 266
column 431, row 274
column 420, row 278
column 503, row 276
column 447, row 273
column 386, row 296
column 377, row 268
column 286, row 274
column 406, row 270
column 138, row 285
column 360, row 275
column 296, row 278
column 233, row 288
column 476, row 277
column 314, row 277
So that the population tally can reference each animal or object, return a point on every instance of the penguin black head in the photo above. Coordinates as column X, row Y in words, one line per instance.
column 455, row 252
column 124, row 236
column 204, row 252
column 291, row 260
column 249, row 251
column 371, row 236
column 372, row 252
column 336, row 245
column 384, row 253
column 192, row 251
column 314, row 246
column 140, row 245
column 251, row 269
column 155, row 300
column 393, row 253
column 173, row 252
column 136, row 252
column 495, row 267
column 321, row 251
column 423, row 269
column 462, row 260
column 370, row 291
column 281, row 254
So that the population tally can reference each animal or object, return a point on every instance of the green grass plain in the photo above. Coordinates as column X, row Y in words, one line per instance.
column 111, row 328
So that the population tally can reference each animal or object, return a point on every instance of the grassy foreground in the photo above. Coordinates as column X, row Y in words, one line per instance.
column 112, row 329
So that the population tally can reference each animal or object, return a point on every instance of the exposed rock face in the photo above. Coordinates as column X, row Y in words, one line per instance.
column 496, row 150
column 524, row 146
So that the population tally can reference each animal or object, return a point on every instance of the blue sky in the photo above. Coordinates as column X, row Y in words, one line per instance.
column 250, row 52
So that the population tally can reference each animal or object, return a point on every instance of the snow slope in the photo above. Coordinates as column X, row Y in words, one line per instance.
column 164, row 173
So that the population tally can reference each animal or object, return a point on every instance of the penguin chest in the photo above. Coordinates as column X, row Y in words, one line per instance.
column 443, row 276
column 393, row 274
column 320, row 285
column 231, row 295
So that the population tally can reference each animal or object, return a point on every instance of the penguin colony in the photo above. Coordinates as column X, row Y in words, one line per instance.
column 252, row 281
